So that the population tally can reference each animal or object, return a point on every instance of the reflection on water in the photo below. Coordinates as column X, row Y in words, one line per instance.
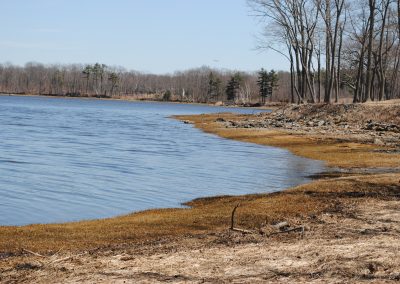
column 64, row 160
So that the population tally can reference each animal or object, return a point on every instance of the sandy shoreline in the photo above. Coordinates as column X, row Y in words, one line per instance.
column 352, row 227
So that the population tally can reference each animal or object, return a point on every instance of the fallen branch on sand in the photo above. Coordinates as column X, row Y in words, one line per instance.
column 284, row 227
column 34, row 253
column 53, row 261
column 232, row 228
column 65, row 258
column 233, row 216
column 243, row 231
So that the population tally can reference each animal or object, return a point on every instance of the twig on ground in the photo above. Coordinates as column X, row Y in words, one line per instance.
column 232, row 228
column 243, row 231
column 233, row 216
column 66, row 258
column 34, row 253
column 61, row 259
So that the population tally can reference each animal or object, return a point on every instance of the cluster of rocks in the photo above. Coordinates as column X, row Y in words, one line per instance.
column 375, row 126
column 333, row 124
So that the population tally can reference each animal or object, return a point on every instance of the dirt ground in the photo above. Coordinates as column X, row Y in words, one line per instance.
column 359, row 244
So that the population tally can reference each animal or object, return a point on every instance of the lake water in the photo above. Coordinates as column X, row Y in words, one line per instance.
column 71, row 159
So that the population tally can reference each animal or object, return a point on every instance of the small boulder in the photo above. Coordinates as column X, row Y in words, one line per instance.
column 379, row 142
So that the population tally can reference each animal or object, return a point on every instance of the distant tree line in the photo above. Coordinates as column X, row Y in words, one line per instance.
column 203, row 84
column 335, row 47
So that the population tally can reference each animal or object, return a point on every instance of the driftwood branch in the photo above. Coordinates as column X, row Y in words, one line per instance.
column 61, row 260
column 233, row 216
column 64, row 259
column 34, row 253
column 282, row 226
column 232, row 228
column 53, row 261
column 242, row 231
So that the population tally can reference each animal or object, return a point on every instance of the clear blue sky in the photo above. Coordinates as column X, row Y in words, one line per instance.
column 157, row 36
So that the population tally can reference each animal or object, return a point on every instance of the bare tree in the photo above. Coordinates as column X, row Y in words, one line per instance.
column 294, row 26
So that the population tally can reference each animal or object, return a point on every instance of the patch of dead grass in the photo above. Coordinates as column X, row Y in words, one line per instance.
column 205, row 216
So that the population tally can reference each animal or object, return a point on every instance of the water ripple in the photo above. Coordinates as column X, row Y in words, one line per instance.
column 64, row 160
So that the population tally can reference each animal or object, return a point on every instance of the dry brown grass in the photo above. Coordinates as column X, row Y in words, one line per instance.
column 351, row 244
column 207, row 215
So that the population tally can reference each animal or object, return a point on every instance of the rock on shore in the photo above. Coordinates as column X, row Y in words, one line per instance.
column 365, row 123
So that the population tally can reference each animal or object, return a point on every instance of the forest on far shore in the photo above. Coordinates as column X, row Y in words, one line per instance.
column 203, row 85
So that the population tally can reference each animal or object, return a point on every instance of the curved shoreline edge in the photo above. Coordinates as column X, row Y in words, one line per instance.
column 350, row 155
column 210, row 215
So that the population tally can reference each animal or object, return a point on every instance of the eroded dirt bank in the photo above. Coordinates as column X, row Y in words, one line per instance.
column 351, row 222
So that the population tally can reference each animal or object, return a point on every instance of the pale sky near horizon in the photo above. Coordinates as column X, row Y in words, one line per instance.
column 156, row 36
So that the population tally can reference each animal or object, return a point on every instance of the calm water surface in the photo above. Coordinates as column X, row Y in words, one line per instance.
column 69, row 159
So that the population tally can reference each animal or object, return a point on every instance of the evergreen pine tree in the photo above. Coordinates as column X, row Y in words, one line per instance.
column 214, row 87
column 267, row 82
column 233, row 87
column 273, row 81
column 262, row 82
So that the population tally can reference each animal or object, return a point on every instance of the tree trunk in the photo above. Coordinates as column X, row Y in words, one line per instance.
column 328, row 30
column 368, row 91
